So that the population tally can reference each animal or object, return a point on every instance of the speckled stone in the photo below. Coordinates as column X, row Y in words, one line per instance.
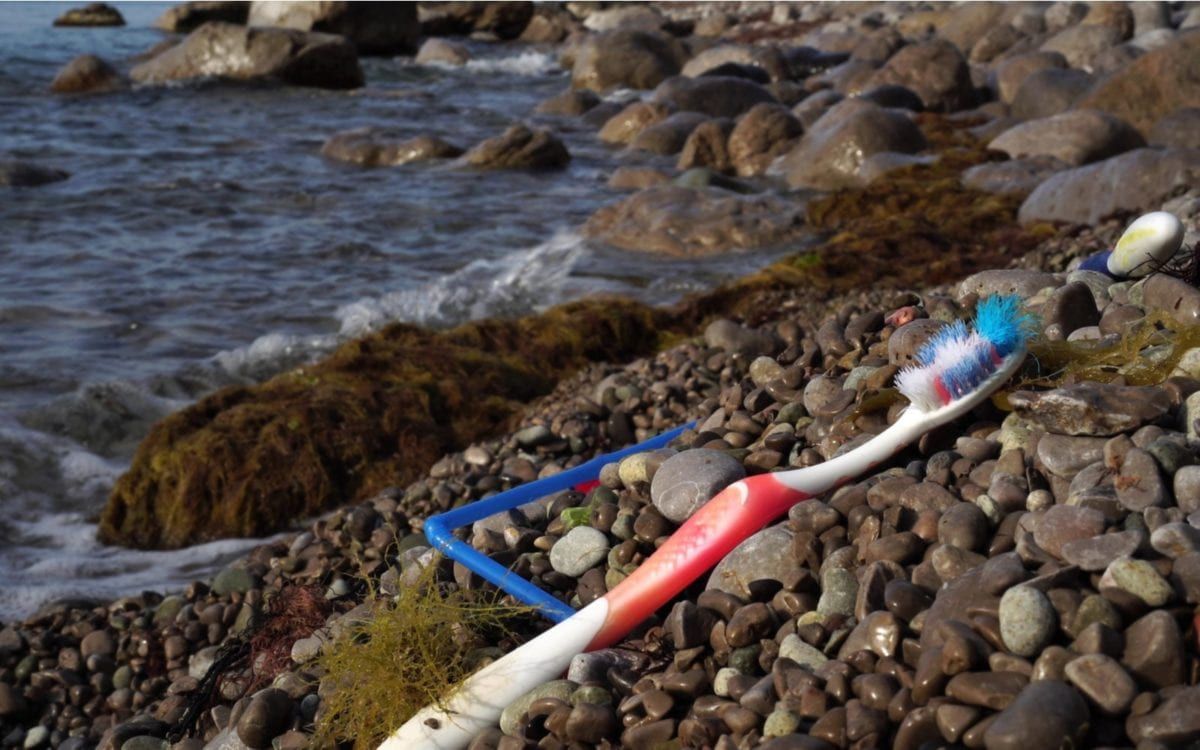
column 1027, row 620
column 839, row 587
column 688, row 480
column 580, row 550
column 1139, row 578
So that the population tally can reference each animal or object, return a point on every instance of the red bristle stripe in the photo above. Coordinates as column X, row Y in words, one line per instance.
column 942, row 392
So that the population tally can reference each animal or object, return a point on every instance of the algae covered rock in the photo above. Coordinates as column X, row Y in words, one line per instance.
column 247, row 461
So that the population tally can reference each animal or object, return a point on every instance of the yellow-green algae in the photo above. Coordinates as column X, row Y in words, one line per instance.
column 411, row 651
column 248, row 461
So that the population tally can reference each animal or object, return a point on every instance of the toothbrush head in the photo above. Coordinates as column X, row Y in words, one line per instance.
column 958, row 360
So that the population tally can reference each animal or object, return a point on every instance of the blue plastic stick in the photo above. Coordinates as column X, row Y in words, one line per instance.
column 439, row 529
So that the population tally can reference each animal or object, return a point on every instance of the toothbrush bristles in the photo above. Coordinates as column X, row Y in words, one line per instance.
column 957, row 359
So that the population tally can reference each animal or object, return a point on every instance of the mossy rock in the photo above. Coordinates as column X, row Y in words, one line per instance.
column 248, row 461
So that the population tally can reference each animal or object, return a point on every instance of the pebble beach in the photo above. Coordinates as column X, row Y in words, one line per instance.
column 1027, row 576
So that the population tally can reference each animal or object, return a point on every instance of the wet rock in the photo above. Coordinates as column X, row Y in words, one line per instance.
column 715, row 96
column 570, row 103
column 268, row 714
column 1175, row 720
column 707, row 146
column 92, row 14
column 795, row 649
column 511, row 716
column 1179, row 129
column 1154, row 650
column 935, row 70
column 1135, row 181
column 763, row 133
column 1080, row 136
column 1027, row 620
column 625, row 58
column 87, row 74
column 375, row 147
column 1103, row 681
column 1092, row 408
column 519, row 147
column 372, row 29
column 443, row 51
column 625, row 125
column 668, row 136
column 1049, row 91
column 995, row 690
column 15, row 173
column 581, row 549
column 1046, row 714
column 830, row 154
column 964, row 526
column 1158, row 83
column 224, row 50
column 686, row 222
column 879, row 632
column 766, row 59
column 756, row 559
column 187, row 17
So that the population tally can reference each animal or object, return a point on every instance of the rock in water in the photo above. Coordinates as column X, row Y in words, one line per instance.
column 1149, row 242
column 520, row 147
column 224, row 50
column 15, row 173
column 187, row 17
column 373, row 28
column 93, row 14
column 86, row 74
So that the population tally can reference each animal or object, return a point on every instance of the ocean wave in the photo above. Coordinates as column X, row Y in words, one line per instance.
column 520, row 282
column 528, row 63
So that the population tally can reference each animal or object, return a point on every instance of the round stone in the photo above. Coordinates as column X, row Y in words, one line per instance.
column 580, row 550
column 1139, row 578
column 1027, row 620
column 688, row 480
column 268, row 715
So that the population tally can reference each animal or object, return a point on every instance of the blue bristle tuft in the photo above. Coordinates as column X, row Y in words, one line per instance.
column 1000, row 320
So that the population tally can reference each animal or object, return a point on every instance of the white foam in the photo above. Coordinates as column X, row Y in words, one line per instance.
column 528, row 63
column 519, row 282
column 273, row 353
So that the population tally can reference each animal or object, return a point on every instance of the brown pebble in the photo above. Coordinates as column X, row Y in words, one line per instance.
column 831, row 727
column 994, row 690
column 648, row 736
column 954, row 719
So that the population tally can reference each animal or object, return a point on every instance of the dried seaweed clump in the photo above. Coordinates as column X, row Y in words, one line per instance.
column 1147, row 354
column 410, row 652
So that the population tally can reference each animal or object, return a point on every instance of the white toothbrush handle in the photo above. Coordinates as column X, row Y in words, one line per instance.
column 477, row 703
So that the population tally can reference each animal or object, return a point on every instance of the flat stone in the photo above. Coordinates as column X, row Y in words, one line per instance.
column 689, row 479
column 808, row 656
column 581, row 549
column 1092, row 408
column 1176, row 539
column 1064, row 523
column 1098, row 552
column 1175, row 721
column 1139, row 483
column 1021, row 282
column 1065, row 455
column 994, row 690
column 1104, row 681
column 756, row 559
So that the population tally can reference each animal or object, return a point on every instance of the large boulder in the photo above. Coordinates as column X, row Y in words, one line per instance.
column 87, row 74
column 707, row 146
column 519, row 147
column 187, row 17
column 1154, row 85
column 936, row 70
column 1080, row 45
column 969, row 22
column 93, row 14
column 630, row 59
column 1136, row 181
column 762, row 134
column 248, row 461
column 685, row 222
column 1050, row 91
column 715, row 96
column 507, row 20
column 15, row 173
column 225, row 50
column 1077, row 137
column 625, row 125
column 436, row 50
column 549, row 25
column 384, row 28
column 667, row 137
column 768, row 58
column 374, row 147
column 1180, row 129
column 830, row 154
column 1008, row 75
